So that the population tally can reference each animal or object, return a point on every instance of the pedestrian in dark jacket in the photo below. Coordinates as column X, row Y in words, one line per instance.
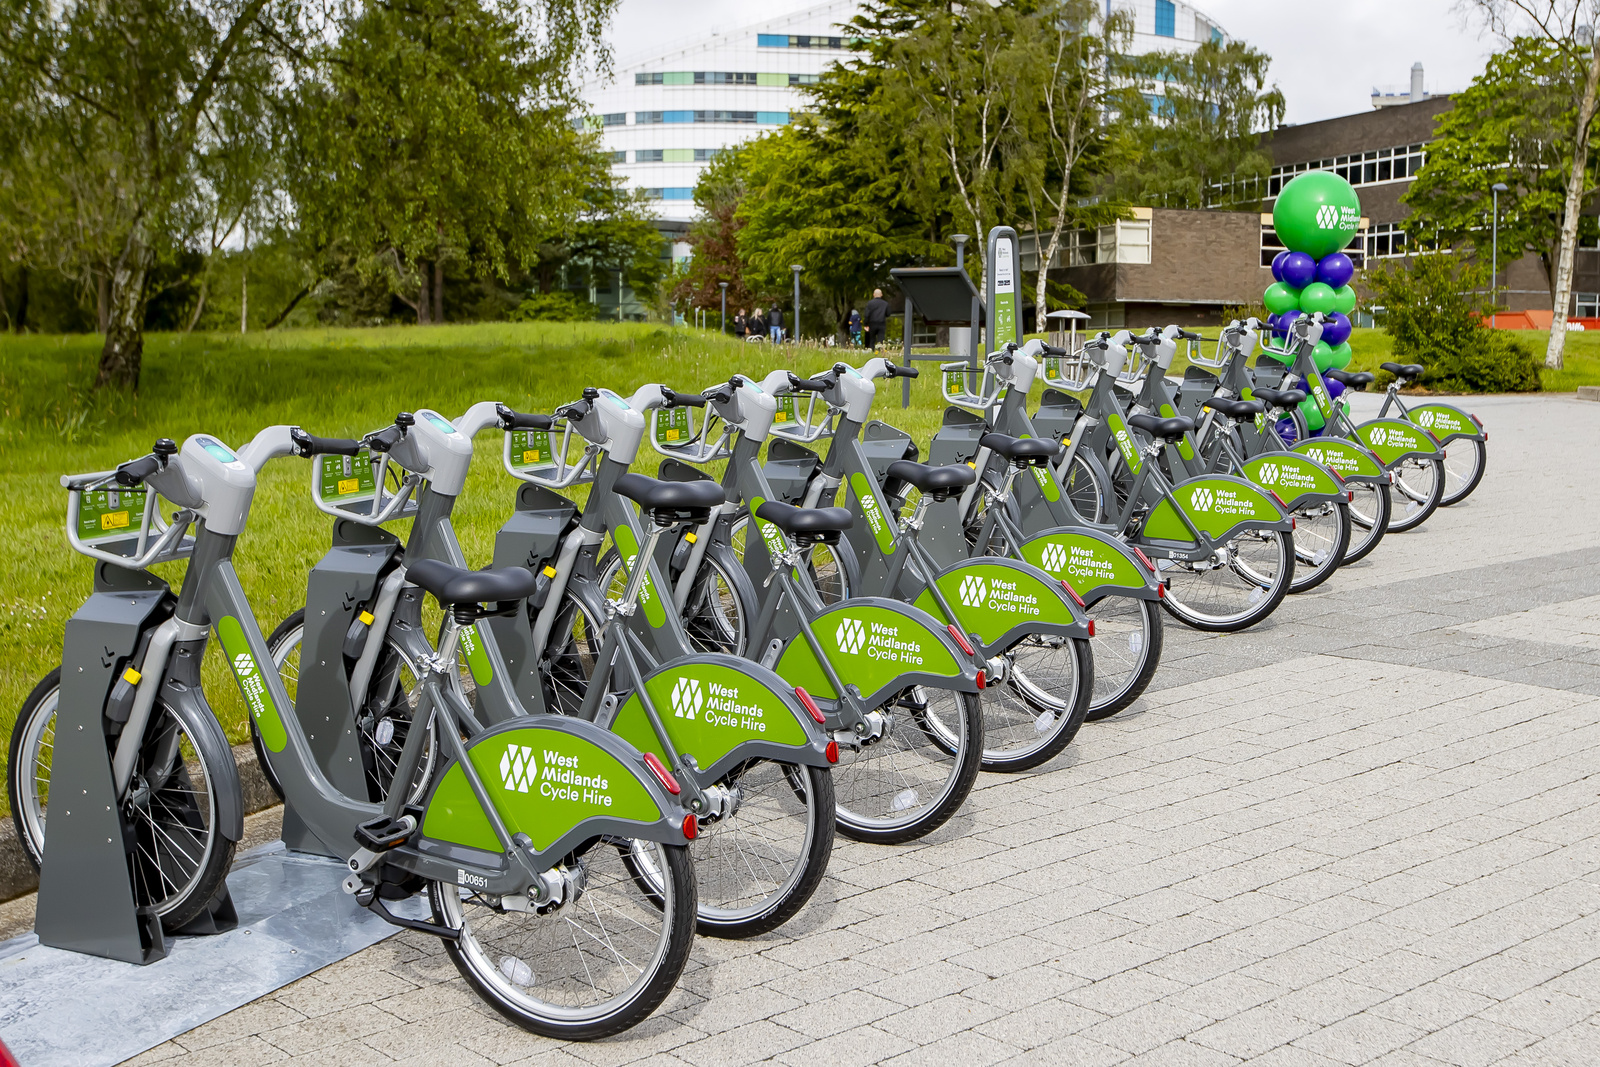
column 775, row 324
column 855, row 327
column 739, row 325
column 877, row 317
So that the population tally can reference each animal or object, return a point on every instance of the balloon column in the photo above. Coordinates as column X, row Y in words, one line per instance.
column 1315, row 216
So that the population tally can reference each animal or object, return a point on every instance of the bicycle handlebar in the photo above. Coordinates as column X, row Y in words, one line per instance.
column 135, row 471
column 307, row 445
column 577, row 411
column 517, row 420
column 897, row 371
column 676, row 399
column 810, row 385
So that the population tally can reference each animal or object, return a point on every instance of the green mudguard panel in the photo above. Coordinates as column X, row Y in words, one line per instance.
column 1296, row 479
column 879, row 646
column 1217, row 505
column 1393, row 440
column 1093, row 563
column 998, row 600
column 554, row 781
column 1445, row 422
column 1348, row 459
column 721, row 709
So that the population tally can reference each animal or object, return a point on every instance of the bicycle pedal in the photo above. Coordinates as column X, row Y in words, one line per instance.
column 383, row 833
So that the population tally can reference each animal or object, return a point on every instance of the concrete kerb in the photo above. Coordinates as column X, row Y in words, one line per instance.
column 17, row 875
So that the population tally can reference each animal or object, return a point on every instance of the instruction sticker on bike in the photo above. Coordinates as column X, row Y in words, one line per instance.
column 786, row 413
column 346, row 478
column 530, row 450
column 110, row 514
column 673, row 426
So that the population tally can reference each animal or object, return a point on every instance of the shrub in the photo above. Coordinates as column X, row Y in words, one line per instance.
column 553, row 307
column 1434, row 310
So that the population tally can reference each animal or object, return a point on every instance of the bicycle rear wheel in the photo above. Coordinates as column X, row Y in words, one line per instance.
column 1241, row 584
column 1127, row 649
column 1464, row 464
column 1321, row 536
column 1420, row 483
column 1034, row 711
column 591, row 968
column 1369, row 518
column 914, row 777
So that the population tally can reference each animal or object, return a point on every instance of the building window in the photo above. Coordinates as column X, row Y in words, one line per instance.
column 680, row 192
column 647, row 79
column 1399, row 163
column 1357, row 250
column 647, row 118
column 615, row 118
column 619, row 156
column 1132, row 241
column 719, row 77
column 647, row 155
column 1166, row 19
column 722, row 116
column 804, row 79
column 705, row 155
column 679, row 116
column 778, row 40
column 1386, row 239
column 1588, row 305
column 772, row 118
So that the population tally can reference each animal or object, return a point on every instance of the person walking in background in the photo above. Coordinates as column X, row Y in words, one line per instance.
column 740, row 327
column 775, row 324
column 756, row 328
column 854, row 328
column 877, row 317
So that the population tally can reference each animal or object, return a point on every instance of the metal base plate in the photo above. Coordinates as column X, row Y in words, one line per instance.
column 83, row 1011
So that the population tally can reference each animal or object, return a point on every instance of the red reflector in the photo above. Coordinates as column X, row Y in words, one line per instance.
column 960, row 638
column 662, row 774
column 982, row 681
column 1143, row 558
column 1073, row 593
column 1294, row 523
column 811, row 705
column 832, row 752
column 6, row 1059
column 1350, row 497
column 1279, row 499
column 1161, row 590
column 691, row 827
column 1091, row 627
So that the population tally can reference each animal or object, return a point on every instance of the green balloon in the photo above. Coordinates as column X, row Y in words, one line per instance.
column 1344, row 300
column 1322, row 355
column 1341, row 357
column 1313, row 414
column 1280, row 297
column 1318, row 297
column 1317, row 213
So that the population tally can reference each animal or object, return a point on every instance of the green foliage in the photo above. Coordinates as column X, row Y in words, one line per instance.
column 1516, row 123
column 1434, row 310
column 1204, row 130
column 553, row 307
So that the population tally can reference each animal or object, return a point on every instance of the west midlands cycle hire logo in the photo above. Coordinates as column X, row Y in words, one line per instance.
column 1201, row 499
column 561, row 779
column 1267, row 474
column 687, row 699
column 1330, row 217
column 1055, row 556
column 518, row 768
column 243, row 665
column 973, row 590
column 1425, row 419
column 850, row 636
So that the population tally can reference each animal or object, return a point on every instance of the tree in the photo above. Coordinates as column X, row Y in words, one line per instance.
column 1569, row 26
column 1202, row 133
column 611, row 233
column 1079, row 89
column 714, row 236
column 439, row 130
column 114, row 106
column 1514, row 124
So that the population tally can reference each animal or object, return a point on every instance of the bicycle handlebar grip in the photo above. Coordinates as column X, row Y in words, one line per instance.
column 307, row 445
column 135, row 471
column 721, row 394
column 384, row 439
column 1187, row 336
column 1052, row 350
column 517, row 420
column 578, row 409
column 897, row 371
column 810, row 385
column 676, row 399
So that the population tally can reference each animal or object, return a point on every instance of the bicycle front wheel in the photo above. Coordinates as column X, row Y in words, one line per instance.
column 1240, row 584
column 911, row 779
column 1464, row 463
column 587, row 969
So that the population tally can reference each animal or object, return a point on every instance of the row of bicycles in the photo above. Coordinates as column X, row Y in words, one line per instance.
column 652, row 713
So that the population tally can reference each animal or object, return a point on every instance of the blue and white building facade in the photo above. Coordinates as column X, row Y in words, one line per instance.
column 666, row 114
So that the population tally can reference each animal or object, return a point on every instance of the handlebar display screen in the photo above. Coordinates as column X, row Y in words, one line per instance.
column 673, row 426
column 216, row 450
column 347, row 478
column 111, row 514
column 530, row 450
column 438, row 423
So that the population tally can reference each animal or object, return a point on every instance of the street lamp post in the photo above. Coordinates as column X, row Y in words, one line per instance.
column 724, row 306
column 797, row 268
column 1494, row 249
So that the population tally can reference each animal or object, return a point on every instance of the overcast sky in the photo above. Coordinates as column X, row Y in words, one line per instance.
column 1326, row 56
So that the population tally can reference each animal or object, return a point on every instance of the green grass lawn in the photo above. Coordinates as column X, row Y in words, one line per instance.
column 340, row 383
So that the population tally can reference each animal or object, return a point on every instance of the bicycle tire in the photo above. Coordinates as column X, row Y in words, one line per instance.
column 1258, row 610
column 1310, row 573
column 497, row 983
column 965, row 762
column 1054, row 722
column 1112, row 698
column 1375, row 524
column 1401, row 519
column 1480, row 460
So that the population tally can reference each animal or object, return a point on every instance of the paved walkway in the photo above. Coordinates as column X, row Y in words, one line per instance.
column 1366, row 832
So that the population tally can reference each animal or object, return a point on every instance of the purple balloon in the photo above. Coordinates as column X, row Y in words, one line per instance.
column 1335, row 389
column 1336, row 330
column 1335, row 270
column 1299, row 270
column 1277, row 266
